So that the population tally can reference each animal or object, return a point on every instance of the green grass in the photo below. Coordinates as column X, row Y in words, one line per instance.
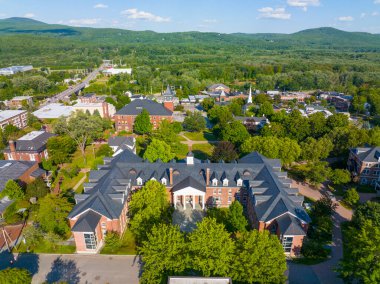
column 365, row 188
column 200, row 136
column 182, row 151
column 44, row 247
column 180, row 138
column 202, row 151
column 308, row 261
column 128, row 245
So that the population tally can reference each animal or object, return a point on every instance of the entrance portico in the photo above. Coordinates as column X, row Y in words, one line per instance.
column 189, row 192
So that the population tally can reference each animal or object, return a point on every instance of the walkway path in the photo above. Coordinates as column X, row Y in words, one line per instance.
column 76, row 268
column 82, row 180
column 190, row 142
column 325, row 270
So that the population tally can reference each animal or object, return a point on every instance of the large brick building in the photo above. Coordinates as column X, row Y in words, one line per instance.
column 364, row 164
column 255, row 181
column 125, row 117
column 30, row 147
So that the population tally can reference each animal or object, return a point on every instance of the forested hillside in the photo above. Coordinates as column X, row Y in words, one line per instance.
column 323, row 58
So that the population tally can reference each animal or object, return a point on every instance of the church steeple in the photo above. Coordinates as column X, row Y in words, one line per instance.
column 250, row 95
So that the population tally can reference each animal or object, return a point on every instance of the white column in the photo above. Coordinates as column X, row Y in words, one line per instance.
column 184, row 202
column 193, row 202
column 175, row 201
column 203, row 202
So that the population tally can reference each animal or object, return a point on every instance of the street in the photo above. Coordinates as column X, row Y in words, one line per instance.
column 77, row 268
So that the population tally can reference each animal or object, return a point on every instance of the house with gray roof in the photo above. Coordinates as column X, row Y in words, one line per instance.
column 30, row 147
column 257, row 182
column 121, row 143
column 364, row 164
column 125, row 117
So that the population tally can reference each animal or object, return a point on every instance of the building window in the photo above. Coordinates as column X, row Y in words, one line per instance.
column 90, row 240
column 365, row 171
column 230, row 191
column 163, row 181
column 229, row 199
column 139, row 181
column 31, row 157
column 219, row 191
column 214, row 191
column 363, row 181
column 225, row 182
column 287, row 243
column 214, row 182
column 239, row 182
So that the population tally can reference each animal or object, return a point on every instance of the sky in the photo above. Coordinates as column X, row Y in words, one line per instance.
column 224, row 16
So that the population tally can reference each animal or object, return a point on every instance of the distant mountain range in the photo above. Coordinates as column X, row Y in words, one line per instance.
column 325, row 37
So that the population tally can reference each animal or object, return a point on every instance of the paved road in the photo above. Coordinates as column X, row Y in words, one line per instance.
column 75, row 269
column 324, row 272
column 73, row 89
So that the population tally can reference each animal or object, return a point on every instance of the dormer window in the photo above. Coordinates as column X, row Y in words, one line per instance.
column 239, row 182
column 153, row 178
column 225, row 182
column 139, row 181
column 214, row 182
column 163, row 181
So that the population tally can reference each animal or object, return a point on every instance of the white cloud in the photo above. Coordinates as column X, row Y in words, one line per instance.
column 376, row 2
column 362, row 15
column 274, row 13
column 345, row 19
column 141, row 15
column 375, row 14
column 29, row 15
column 84, row 22
column 100, row 6
column 304, row 4
column 210, row 21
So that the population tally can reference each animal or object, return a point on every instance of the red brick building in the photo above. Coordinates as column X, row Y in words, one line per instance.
column 364, row 165
column 258, row 183
column 30, row 147
column 125, row 117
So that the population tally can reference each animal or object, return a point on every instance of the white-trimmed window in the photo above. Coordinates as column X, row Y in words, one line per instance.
column 214, row 191
column 31, row 157
column 225, row 182
column 219, row 191
column 139, row 181
column 153, row 178
column 287, row 243
column 164, row 181
column 239, row 182
column 230, row 191
column 365, row 171
column 214, row 182
column 90, row 240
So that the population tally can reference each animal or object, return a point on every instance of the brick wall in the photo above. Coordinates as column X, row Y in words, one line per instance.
column 126, row 122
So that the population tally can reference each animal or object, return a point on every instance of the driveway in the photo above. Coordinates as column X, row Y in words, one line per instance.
column 323, row 271
column 77, row 268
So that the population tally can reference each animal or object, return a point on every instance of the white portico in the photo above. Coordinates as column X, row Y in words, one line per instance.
column 189, row 192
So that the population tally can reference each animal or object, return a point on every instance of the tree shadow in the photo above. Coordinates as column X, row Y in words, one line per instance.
column 29, row 261
column 63, row 271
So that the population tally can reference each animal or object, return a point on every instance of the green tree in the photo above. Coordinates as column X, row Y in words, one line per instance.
column 297, row 126
column 112, row 242
column 12, row 190
column 351, row 197
column 234, row 132
column 158, row 150
column 37, row 188
column 207, row 104
column 337, row 120
column 367, row 211
column 340, row 176
column 318, row 125
column 236, row 221
column 220, row 115
column 215, row 258
column 258, row 258
column 314, row 150
column 224, row 151
column 15, row 276
column 164, row 254
column 194, row 122
column 149, row 206
column 33, row 235
column 318, row 172
column 52, row 214
column 265, row 109
column 142, row 123
column 360, row 260
column 104, row 151
column 60, row 149
column 82, row 128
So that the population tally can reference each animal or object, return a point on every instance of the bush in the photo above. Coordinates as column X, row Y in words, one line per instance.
column 10, row 215
column 105, row 151
column 314, row 249
column 351, row 197
column 71, row 172
column 112, row 241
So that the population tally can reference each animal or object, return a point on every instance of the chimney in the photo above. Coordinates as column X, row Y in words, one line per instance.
column 171, row 176
column 207, row 176
column 12, row 146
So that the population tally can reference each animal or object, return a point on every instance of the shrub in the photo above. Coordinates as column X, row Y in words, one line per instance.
column 313, row 249
column 351, row 197
column 112, row 241
column 104, row 150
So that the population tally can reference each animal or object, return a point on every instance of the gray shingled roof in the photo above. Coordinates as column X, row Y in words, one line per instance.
column 118, row 141
column 290, row 226
column 189, row 182
column 37, row 144
column 87, row 222
column 369, row 155
column 13, row 170
column 136, row 107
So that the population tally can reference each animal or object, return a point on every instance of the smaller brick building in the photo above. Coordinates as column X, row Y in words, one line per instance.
column 30, row 147
column 17, row 102
column 17, row 118
column 125, row 117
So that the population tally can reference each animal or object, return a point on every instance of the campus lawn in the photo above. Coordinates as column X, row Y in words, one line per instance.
column 128, row 245
column 200, row 136
column 182, row 151
column 202, row 151
column 45, row 247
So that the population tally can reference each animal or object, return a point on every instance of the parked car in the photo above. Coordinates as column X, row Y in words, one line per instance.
column 330, row 195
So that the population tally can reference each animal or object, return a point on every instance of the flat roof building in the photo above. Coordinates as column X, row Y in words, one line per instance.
column 54, row 110
column 17, row 118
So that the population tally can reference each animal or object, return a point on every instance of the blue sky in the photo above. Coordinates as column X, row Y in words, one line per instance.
column 226, row 16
